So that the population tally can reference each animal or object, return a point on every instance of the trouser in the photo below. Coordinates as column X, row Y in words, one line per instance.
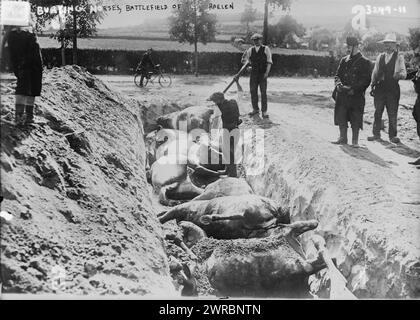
column 24, row 105
column 231, row 166
column 390, row 101
column 258, row 80
column 416, row 114
column 355, row 134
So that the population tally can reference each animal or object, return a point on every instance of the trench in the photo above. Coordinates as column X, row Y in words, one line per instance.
column 178, row 258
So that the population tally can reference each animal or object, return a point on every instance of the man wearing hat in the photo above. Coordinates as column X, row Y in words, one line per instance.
column 351, row 81
column 230, row 122
column 389, row 69
column 259, row 57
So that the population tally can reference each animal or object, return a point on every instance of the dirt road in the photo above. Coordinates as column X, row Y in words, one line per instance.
column 367, row 200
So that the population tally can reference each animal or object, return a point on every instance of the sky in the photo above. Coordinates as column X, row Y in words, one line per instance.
column 307, row 12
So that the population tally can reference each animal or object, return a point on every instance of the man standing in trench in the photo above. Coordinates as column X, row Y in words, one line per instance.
column 351, row 81
column 259, row 57
column 231, row 121
column 389, row 69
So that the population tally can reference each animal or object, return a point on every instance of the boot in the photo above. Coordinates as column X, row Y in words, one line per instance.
column 374, row 138
column 19, row 110
column 343, row 136
column 355, row 138
column 29, row 114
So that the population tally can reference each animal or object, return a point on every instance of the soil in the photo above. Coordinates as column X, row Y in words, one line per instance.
column 82, row 217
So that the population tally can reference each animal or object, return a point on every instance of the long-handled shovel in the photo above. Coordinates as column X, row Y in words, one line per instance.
column 338, row 289
column 236, row 78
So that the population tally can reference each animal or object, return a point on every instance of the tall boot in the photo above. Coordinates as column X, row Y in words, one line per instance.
column 19, row 111
column 29, row 110
column 343, row 136
column 355, row 137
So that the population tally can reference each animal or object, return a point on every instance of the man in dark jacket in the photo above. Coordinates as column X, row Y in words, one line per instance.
column 26, row 61
column 351, row 80
column 146, row 65
column 415, row 77
column 230, row 122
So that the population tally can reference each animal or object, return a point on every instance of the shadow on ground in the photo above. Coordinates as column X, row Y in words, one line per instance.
column 365, row 154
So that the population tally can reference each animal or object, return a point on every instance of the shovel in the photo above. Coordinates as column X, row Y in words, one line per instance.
column 338, row 289
column 236, row 78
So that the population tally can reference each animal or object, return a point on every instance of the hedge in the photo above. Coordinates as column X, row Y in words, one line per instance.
column 177, row 62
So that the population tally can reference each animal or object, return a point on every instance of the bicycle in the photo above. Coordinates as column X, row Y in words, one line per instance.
column 164, row 80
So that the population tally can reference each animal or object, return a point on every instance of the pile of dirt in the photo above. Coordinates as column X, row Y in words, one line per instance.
column 82, row 219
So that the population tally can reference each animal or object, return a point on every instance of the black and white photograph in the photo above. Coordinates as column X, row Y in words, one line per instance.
column 196, row 150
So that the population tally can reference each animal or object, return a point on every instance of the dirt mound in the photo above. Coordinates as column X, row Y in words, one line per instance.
column 74, row 183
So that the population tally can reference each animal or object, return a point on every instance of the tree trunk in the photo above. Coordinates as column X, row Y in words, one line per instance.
column 74, row 33
column 63, row 53
column 195, row 59
column 265, row 25
column 195, row 40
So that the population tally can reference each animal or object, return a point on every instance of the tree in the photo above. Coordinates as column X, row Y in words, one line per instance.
column 77, row 21
column 287, row 26
column 321, row 36
column 193, row 23
column 283, row 4
column 414, row 38
column 249, row 15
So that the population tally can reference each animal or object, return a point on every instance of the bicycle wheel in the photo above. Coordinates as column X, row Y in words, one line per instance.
column 137, row 79
column 165, row 80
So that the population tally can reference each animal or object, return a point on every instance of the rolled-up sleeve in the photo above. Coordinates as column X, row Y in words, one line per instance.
column 246, row 56
column 268, row 54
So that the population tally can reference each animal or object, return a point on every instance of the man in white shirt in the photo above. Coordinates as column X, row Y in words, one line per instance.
column 389, row 69
column 259, row 57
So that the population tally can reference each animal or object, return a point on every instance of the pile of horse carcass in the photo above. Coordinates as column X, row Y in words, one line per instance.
column 234, row 241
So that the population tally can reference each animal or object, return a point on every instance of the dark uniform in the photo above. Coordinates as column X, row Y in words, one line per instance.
column 354, row 72
column 26, row 61
column 415, row 77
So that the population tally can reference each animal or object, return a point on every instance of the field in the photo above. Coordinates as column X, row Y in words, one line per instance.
column 164, row 45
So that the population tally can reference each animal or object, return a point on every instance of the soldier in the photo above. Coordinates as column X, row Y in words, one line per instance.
column 389, row 68
column 26, row 61
column 351, row 80
column 231, row 121
column 259, row 57
column 415, row 77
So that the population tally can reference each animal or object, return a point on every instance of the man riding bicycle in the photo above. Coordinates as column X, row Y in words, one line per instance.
column 146, row 65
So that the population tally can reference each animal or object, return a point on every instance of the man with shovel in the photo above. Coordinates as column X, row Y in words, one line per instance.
column 259, row 57
column 231, row 121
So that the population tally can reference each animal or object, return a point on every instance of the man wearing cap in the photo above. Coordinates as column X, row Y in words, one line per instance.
column 230, row 122
column 259, row 57
column 351, row 81
column 389, row 69
column 146, row 65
